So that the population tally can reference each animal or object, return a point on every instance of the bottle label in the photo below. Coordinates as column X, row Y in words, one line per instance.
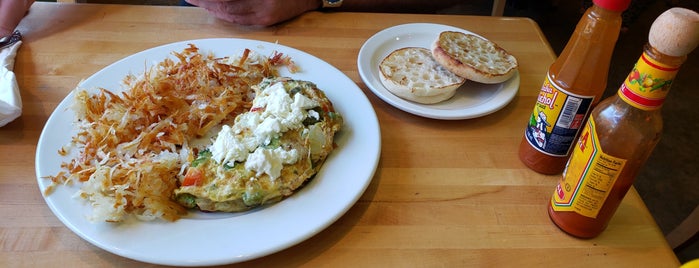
column 589, row 176
column 556, row 120
column 648, row 83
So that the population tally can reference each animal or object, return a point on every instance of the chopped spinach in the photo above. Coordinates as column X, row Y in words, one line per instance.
column 201, row 158
column 310, row 120
column 294, row 90
column 187, row 200
column 273, row 143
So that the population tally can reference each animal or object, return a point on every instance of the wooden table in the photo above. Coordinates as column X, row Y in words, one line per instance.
column 446, row 193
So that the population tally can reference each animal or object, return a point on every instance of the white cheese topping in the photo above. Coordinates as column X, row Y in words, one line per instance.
column 270, row 161
column 278, row 113
column 226, row 148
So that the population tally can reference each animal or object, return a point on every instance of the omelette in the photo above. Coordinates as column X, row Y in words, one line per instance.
column 267, row 153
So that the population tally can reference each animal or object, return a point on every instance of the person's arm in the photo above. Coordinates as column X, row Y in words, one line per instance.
column 256, row 12
column 269, row 12
column 397, row 6
column 11, row 13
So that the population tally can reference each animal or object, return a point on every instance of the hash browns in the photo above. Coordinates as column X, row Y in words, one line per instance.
column 133, row 146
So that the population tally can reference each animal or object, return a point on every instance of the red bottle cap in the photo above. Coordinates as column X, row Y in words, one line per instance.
column 613, row 5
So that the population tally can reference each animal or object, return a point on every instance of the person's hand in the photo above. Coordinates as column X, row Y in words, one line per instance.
column 256, row 12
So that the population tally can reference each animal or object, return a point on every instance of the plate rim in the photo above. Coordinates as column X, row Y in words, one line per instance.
column 369, row 124
column 506, row 90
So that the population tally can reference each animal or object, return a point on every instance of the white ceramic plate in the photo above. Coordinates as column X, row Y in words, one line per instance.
column 221, row 238
column 471, row 100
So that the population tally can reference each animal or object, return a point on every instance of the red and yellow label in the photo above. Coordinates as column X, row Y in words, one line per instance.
column 648, row 83
column 589, row 176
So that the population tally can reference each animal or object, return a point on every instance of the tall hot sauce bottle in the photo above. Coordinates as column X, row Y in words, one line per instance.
column 573, row 84
column 622, row 130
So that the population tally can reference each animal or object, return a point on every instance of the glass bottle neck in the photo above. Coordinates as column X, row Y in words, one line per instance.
column 600, row 12
column 650, row 79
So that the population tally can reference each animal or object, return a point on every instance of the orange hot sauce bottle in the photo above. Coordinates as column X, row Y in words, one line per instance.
column 622, row 130
column 574, row 83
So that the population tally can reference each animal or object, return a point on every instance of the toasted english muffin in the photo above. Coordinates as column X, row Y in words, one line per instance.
column 412, row 73
column 473, row 57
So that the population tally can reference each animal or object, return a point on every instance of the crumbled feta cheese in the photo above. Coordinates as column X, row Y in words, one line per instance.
column 314, row 114
column 244, row 140
column 270, row 161
column 226, row 148
column 268, row 129
column 303, row 102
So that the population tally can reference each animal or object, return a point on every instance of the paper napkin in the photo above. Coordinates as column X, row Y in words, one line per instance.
column 10, row 100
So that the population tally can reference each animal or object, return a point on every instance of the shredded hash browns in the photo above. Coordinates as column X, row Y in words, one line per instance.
column 134, row 146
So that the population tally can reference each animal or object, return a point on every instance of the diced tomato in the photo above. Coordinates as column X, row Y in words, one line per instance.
column 193, row 177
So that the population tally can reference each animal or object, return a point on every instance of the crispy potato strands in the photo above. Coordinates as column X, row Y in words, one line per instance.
column 139, row 139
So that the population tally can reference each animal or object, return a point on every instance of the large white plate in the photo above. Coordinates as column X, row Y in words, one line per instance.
column 471, row 100
column 220, row 238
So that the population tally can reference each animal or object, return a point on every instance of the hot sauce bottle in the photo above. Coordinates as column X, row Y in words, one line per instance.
column 574, row 83
column 622, row 130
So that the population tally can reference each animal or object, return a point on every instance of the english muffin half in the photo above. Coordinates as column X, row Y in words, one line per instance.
column 413, row 74
column 473, row 57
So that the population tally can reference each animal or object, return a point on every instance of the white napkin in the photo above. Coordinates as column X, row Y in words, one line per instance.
column 10, row 100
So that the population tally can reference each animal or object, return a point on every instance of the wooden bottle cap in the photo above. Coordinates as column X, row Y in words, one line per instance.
column 675, row 32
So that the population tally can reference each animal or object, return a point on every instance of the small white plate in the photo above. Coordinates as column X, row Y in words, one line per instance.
column 221, row 238
column 471, row 100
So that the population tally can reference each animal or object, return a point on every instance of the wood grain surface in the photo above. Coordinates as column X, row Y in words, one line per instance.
column 446, row 193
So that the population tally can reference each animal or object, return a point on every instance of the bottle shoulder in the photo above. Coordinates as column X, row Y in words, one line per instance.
column 624, row 130
column 583, row 65
column 616, row 112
